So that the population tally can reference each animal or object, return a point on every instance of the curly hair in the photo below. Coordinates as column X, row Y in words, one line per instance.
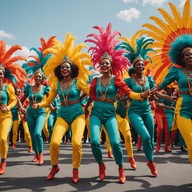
column 177, row 47
column 74, row 71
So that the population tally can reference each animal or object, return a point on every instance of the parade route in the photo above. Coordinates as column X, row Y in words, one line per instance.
column 22, row 175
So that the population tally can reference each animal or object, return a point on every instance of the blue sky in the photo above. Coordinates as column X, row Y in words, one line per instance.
column 24, row 22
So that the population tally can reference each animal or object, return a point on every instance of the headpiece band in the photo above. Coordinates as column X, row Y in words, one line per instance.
column 138, row 58
column 66, row 59
column 186, row 49
column 106, row 56
column 39, row 71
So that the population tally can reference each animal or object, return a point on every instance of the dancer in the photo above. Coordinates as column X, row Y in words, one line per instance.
column 139, row 112
column 67, row 75
column 103, row 91
column 36, row 118
column 10, row 73
column 176, row 62
column 36, row 91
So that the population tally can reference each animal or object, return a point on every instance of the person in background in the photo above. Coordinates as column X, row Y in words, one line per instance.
column 54, row 108
column 124, row 128
column 16, row 119
column 162, row 123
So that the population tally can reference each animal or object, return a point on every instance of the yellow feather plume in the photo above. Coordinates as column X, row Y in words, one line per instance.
column 162, row 24
column 154, row 28
column 176, row 15
column 168, row 18
column 164, row 33
column 186, row 14
column 74, row 53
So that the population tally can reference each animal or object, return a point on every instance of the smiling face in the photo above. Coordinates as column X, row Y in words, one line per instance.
column 139, row 66
column 105, row 65
column 65, row 69
column 38, row 77
column 187, row 57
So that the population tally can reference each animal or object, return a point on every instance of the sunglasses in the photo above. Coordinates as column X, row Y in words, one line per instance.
column 65, row 67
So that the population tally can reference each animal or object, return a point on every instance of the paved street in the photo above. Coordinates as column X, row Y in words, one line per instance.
column 175, row 173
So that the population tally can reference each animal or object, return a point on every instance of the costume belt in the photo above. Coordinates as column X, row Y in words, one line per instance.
column 107, row 100
column 64, row 103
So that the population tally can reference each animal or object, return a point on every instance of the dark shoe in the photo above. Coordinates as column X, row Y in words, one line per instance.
column 183, row 149
column 75, row 178
column 54, row 170
column 152, row 167
column 122, row 177
column 102, row 169
column 132, row 162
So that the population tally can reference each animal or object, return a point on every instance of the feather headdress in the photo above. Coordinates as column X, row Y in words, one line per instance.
column 138, row 48
column 165, row 34
column 39, row 60
column 105, row 43
column 46, row 44
column 14, row 73
column 73, row 53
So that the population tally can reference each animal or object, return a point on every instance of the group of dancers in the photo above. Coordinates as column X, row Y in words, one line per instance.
column 122, row 85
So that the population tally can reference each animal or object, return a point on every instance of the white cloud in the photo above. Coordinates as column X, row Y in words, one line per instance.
column 4, row 34
column 154, row 2
column 25, row 52
column 128, row 14
column 182, row 2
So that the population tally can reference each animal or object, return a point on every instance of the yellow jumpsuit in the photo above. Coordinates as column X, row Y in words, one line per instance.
column 8, row 98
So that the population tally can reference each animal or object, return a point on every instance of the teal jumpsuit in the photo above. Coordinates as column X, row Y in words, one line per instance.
column 53, row 116
column 183, row 109
column 71, row 115
column 141, row 117
column 104, row 113
column 36, row 117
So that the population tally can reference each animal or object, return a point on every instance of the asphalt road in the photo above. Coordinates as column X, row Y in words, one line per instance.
column 22, row 175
